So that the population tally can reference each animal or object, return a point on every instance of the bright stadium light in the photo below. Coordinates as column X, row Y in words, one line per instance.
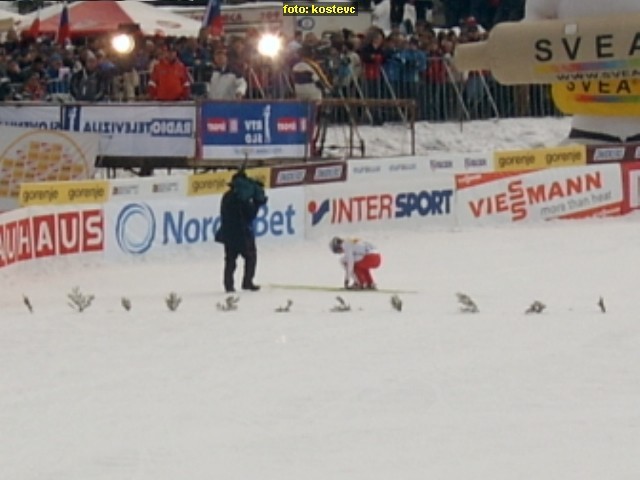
column 123, row 43
column 269, row 45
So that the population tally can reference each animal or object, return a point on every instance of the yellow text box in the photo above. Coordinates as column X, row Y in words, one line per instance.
column 519, row 160
column 606, row 98
column 217, row 182
column 64, row 193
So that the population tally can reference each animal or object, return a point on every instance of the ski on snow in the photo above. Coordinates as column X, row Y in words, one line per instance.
column 323, row 288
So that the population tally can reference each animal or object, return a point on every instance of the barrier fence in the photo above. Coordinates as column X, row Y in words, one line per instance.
column 441, row 94
column 144, row 217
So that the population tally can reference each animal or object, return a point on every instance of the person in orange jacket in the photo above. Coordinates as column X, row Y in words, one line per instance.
column 170, row 80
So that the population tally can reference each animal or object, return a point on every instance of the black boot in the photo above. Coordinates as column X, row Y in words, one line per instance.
column 250, row 286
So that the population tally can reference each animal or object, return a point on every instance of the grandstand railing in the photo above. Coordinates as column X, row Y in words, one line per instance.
column 450, row 97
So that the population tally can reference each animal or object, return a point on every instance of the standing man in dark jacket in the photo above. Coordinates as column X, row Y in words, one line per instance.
column 238, row 210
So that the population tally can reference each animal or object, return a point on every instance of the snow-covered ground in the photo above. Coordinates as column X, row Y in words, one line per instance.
column 311, row 394
column 478, row 136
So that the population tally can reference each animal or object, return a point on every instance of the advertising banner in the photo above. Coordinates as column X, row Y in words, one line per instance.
column 35, row 116
column 522, row 160
column 213, row 183
column 613, row 153
column 160, row 227
column 579, row 192
column 64, row 193
column 631, row 186
column 133, row 130
column 375, row 169
column 348, row 207
column 260, row 129
column 46, row 232
column 151, row 187
column 452, row 162
column 425, row 165
column 31, row 155
column 291, row 175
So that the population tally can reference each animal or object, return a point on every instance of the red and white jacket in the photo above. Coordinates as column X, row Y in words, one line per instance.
column 354, row 250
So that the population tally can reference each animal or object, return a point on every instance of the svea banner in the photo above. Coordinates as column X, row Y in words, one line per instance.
column 262, row 129
column 347, row 207
column 571, row 192
column 158, row 227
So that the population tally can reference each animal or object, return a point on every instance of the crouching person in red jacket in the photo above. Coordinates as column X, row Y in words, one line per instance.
column 358, row 259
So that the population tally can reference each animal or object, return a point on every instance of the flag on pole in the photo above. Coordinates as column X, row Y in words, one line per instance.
column 34, row 29
column 64, row 30
column 212, row 19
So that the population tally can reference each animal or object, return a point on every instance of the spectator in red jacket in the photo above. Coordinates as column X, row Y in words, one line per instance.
column 373, row 56
column 169, row 80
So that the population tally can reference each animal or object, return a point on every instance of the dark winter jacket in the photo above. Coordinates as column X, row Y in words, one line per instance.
column 238, row 209
column 88, row 86
column 372, row 58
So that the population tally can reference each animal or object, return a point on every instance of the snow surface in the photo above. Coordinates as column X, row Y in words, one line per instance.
column 477, row 136
column 369, row 394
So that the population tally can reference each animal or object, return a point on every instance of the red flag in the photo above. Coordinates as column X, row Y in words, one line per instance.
column 34, row 29
column 64, row 30
column 212, row 19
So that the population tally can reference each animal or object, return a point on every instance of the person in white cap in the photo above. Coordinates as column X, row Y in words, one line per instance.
column 358, row 259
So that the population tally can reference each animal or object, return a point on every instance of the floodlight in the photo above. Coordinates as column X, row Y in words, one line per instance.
column 269, row 45
column 123, row 43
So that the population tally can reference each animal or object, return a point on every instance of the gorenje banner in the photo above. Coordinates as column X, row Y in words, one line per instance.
column 160, row 227
column 347, row 207
column 235, row 130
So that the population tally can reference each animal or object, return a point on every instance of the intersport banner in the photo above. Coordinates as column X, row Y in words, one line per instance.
column 164, row 226
column 353, row 207
column 563, row 193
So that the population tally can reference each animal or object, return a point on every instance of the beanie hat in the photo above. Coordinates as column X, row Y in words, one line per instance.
column 335, row 244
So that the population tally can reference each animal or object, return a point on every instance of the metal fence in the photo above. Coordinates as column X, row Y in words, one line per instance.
column 451, row 97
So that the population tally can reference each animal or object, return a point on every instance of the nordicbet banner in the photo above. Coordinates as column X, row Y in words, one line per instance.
column 160, row 227
column 230, row 130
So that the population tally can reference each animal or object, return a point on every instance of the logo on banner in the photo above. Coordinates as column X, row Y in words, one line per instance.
column 50, row 235
column 385, row 206
column 72, row 120
column 217, row 125
column 287, row 125
column 258, row 130
column 519, row 197
column 136, row 228
column 609, row 154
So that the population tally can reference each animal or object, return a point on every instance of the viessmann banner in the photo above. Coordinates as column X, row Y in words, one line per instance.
column 235, row 130
column 557, row 193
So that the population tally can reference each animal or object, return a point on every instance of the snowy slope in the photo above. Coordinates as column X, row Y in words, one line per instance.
column 370, row 394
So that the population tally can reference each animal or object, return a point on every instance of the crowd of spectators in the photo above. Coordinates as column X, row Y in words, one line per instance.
column 410, row 60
